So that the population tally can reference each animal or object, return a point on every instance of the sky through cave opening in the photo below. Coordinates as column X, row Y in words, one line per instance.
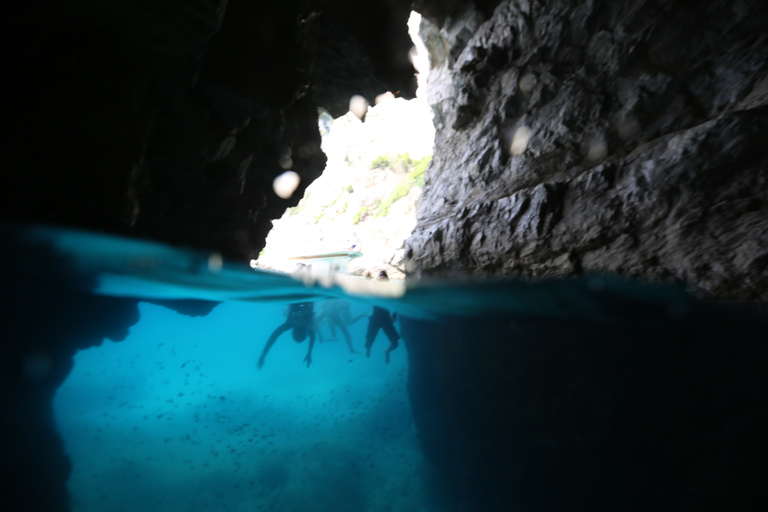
column 367, row 196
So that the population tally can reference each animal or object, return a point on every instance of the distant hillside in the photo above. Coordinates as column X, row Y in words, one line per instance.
column 366, row 199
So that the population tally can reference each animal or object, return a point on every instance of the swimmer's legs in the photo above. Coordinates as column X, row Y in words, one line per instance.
column 370, row 336
column 368, row 345
column 332, row 322
column 373, row 329
column 332, row 325
column 340, row 324
column 391, row 333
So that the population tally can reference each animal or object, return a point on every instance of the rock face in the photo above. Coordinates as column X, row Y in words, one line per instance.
column 45, row 320
column 170, row 119
column 577, row 137
column 656, row 409
column 596, row 137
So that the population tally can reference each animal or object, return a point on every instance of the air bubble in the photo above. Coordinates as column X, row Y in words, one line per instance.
column 358, row 106
column 520, row 141
column 527, row 83
column 598, row 149
column 285, row 184
column 215, row 262
column 627, row 126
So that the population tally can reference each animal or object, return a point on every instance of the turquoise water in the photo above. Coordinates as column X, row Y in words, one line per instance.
column 176, row 416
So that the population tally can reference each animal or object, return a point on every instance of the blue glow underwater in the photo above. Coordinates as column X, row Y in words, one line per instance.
column 177, row 417
column 496, row 387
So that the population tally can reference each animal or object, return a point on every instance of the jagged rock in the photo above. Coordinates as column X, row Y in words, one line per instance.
column 599, row 137
column 170, row 119
column 595, row 137
column 47, row 315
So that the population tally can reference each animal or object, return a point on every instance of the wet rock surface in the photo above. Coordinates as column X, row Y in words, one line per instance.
column 599, row 137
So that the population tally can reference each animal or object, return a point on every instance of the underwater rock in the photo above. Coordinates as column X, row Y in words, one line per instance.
column 45, row 318
column 188, row 307
column 42, row 330
column 664, row 409
column 599, row 137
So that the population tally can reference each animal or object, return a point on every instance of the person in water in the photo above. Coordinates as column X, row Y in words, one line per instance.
column 301, row 323
column 337, row 313
column 381, row 319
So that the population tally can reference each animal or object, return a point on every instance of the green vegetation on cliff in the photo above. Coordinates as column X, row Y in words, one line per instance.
column 413, row 175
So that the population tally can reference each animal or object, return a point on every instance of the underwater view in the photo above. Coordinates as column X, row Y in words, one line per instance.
column 207, row 394
column 178, row 417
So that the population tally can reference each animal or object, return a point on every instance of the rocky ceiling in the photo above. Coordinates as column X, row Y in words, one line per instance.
column 169, row 119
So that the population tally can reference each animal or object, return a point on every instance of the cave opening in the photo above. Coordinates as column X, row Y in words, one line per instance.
column 366, row 199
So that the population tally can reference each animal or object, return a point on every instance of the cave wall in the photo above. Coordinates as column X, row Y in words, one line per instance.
column 47, row 313
column 588, row 137
column 645, row 153
column 652, row 408
column 42, row 329
column 169, row 119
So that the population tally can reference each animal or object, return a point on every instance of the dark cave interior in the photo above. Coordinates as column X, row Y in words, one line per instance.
column 165, row 120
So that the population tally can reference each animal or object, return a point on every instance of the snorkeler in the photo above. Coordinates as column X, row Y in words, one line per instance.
column 381, row 319
column 337, row 313
column 301, row 321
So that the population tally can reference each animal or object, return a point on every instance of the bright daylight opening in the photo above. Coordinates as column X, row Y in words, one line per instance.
column 365, row 201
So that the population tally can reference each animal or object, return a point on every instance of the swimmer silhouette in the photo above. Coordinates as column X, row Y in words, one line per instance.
column 381, row 319
column 338, row 314
column 301, row 322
